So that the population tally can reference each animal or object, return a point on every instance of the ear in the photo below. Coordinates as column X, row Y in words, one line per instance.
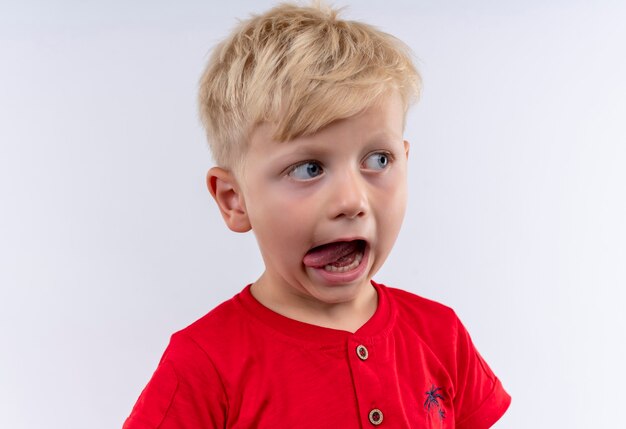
column 227, row 194
column 407, row 146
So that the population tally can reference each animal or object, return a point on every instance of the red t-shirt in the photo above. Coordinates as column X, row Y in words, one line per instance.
column 412, row 365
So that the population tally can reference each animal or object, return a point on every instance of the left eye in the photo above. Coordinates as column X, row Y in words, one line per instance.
column 377, row 161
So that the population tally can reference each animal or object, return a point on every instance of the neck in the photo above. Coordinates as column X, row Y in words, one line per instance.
column 294, row 304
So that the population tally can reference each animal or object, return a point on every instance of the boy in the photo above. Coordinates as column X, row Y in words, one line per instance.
column 305, row 116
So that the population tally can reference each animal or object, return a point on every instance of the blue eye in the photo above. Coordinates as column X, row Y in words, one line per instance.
column 377, row 161
column 306, row 171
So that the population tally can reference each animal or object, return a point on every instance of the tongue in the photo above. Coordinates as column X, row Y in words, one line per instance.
column 329, row 253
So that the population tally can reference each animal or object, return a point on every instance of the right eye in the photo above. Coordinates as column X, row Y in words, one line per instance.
column 306, row 171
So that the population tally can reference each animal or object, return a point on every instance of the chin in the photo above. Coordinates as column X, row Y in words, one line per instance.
column 338, row 294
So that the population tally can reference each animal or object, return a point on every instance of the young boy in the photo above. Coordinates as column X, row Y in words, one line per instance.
column 305, row 116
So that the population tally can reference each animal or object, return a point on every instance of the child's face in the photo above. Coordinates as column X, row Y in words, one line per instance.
column 346, row 185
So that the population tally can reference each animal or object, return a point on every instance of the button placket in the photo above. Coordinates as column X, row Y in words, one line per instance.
column 367, row 381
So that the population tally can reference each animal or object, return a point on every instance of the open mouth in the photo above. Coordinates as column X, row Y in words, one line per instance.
column 336, row 257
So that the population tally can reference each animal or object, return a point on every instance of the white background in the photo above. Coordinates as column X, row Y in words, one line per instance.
column 109, row 241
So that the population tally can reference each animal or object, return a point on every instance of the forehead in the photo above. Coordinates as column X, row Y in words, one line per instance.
column 381, row 121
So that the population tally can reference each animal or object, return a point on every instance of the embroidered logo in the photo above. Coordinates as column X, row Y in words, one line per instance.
column 434, row 399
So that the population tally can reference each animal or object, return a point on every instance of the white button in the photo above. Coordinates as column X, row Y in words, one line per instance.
column 376, row 417
column 362, row 352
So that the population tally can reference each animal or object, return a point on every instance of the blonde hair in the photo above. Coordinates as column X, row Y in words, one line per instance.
column 300, row 68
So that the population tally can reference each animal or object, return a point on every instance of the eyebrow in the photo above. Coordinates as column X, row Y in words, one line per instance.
column 383, row 135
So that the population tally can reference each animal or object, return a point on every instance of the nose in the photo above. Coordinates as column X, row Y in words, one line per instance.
column 348, row 196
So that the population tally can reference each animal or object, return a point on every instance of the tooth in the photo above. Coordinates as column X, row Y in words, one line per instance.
column 353, row 265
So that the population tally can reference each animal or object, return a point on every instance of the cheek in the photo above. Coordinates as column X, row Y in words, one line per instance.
column 393, row 188
column 392, row 199
column 279, row 215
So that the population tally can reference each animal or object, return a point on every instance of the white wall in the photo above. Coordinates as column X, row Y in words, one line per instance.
column 109, row 241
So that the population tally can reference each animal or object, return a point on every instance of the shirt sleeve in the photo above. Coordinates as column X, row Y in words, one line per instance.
column 185, row 392
column 480, row 400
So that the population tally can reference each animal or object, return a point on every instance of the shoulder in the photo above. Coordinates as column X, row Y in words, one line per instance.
column 219, row 329
column 411, row 302
column 192, row 349
column 422, row 314
column 431, row 325
column 221, row 316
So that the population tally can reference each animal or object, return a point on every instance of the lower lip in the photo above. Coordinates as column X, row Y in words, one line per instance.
column 335, row 278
